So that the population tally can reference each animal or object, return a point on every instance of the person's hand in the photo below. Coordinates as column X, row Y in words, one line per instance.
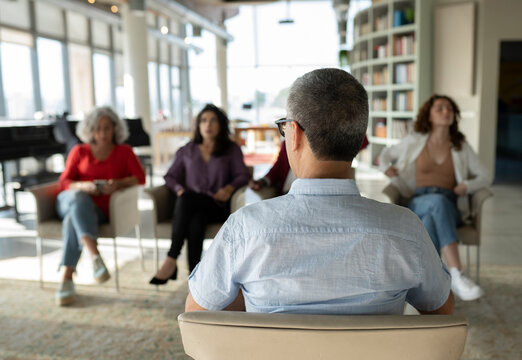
column 257, row 184
column 461, row 189
column 391, row 172
column 180, row 192
column 111, row 186
column 224, row 193
column 88, row 187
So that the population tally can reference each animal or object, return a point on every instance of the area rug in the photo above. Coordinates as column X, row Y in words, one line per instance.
column 140, row 323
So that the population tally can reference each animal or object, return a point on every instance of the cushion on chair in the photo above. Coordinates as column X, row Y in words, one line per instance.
column 233, row 335
column 51, row 229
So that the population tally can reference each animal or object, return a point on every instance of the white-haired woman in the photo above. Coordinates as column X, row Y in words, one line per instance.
column 83, row 203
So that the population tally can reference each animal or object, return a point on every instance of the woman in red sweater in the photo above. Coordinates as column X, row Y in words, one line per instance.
column 93, row 171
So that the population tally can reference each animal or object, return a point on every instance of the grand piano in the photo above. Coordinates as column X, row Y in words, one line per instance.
column 42, row 139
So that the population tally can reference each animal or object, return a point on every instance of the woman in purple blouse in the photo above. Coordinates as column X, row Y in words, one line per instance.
column 203, row 177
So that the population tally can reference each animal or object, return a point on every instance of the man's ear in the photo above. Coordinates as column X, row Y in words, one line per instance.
column 297, row 136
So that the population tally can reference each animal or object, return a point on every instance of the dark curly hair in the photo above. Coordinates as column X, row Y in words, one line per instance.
column 223, row 140
column 423, row 125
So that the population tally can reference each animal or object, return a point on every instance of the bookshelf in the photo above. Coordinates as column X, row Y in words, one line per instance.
column 391, row 57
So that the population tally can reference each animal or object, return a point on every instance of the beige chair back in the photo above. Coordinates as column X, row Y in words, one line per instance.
column 237, row 335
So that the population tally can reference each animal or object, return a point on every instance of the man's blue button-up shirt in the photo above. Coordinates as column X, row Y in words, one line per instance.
column 322, row 249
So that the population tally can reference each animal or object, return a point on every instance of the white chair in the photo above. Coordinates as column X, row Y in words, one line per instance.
column 468, row 234
column 123, row 213
column 163, row 207
column 238, row 335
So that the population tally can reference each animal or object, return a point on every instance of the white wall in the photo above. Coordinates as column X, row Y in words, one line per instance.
column 502, row 21
column 496, row 21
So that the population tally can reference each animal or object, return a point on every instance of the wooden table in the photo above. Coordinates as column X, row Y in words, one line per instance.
column 161, row 149
column 254, row 130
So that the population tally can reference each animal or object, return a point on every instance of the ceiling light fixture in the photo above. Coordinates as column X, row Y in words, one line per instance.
column 114, row 9
column 91, row 1
column 164, row 30
column 288, row 19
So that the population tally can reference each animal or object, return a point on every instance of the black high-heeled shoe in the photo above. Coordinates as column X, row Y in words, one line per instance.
column 157, row 281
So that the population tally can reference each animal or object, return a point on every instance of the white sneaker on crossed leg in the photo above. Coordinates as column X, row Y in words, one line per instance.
column 464, row 287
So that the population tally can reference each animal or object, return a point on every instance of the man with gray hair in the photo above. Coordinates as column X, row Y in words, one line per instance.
column 322, row 248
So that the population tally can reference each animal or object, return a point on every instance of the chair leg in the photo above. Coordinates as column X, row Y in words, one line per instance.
column 138, row 235
column 116, row 275
column 478, row 263
column 156, row 255
column 40, row 259
column 156, row 258
column 467, row 261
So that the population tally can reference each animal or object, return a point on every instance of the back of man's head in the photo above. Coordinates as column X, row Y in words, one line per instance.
column 332, row 107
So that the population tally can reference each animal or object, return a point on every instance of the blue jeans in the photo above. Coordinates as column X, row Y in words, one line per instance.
column 437, row 209
column 81, row 217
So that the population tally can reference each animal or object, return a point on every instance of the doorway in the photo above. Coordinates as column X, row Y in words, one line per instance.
column 508, row 167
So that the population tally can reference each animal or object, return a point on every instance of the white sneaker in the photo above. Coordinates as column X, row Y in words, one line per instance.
column 100, row 272
column 65, row 294
column 463, row 287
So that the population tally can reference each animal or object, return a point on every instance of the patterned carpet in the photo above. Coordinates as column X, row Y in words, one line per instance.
column 140, row 323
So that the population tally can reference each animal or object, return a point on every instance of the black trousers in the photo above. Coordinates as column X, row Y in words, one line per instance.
column 192, row 213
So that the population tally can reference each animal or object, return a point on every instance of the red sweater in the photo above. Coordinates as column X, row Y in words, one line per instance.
column 81, row 165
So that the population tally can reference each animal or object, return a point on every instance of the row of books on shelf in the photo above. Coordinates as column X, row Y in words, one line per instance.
column 380, row 51
column 365, row 77
column 405, row 73
column 403, row 17
column 381, row 22
column 399, row 128
column 379, row 104
column 360, row 55
column 380, row 77
column 403, row 101
column 362, row 29
column 404, row 45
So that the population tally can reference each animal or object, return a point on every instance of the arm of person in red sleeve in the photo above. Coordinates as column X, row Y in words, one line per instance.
column 279, row 171
column 365, row 143
column 68, row 178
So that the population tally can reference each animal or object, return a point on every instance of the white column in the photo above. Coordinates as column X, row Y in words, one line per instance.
column 221, row 66
column 135, row 59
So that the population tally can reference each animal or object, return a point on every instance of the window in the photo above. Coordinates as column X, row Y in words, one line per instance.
column 153, row 91
column 260, row 72
column 120, row 92
column 50, row 67
column 177, row 114
column 17, row 80
column 49, row 19
column 15, row 53
column 203, row 73
column 164, row 90
column 15, row 13
column 102, row 80
column 80, row 70
column 77, row 27
column 100, row 34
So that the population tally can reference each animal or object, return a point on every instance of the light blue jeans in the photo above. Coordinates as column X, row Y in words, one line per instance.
column 437, row 209
column 81, row 217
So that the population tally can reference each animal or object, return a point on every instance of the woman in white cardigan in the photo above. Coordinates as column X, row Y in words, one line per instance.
column 439, row 169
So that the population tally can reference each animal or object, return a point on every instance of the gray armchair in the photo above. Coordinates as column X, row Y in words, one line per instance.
column 124, row 216
column 163, row 207
column 468, row 234
column 239, row 335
